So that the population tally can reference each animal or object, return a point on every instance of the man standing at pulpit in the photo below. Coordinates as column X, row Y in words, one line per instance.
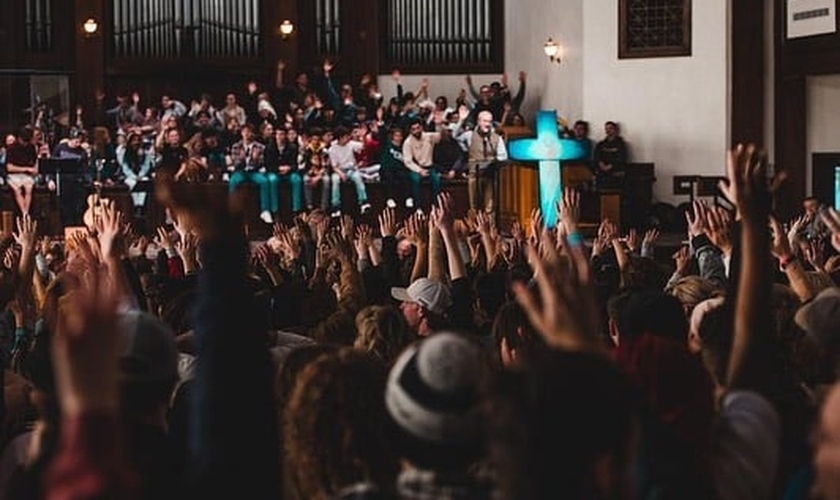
column 485, row 151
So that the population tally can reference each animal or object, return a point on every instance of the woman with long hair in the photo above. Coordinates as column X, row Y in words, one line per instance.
column 136, row 166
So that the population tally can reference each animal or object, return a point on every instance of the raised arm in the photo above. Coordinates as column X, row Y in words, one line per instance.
column 235, row 452
column 335, row 99
column 416, row 230
column 520, row 94
column 442, row 219
column 790, row 263
column 748, row 189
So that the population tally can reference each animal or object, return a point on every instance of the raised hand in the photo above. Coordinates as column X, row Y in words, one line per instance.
column 441, row 214
column 651, row 236
column 364, row 240
column 780, row 247
column 290, row 246
column 718, row 228
column 186, row 247
column 348, row 228
column 696, row 219
column 682, row 259
column 387, row 223
column 416, row 229
column 796, row 226
column 570, row 210
column 608, row 230
column 633, row 242
column 328, row 66
column 85, row 347
column 564, row 310
column 11, row 258
column 599, row 245
column 339, row 248
column 832, row 220
column 26, row 232
column 483, row 223
column 109, row 231
column 463, row 113
column 164, row 241
column 535, row 225
column 747, row 185
column 814, row 252
column 322, row 226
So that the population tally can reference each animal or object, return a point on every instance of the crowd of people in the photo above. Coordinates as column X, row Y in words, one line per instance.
column 310, row 134
column 425, row 358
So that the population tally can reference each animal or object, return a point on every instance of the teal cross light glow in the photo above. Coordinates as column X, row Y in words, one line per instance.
column 549, row 150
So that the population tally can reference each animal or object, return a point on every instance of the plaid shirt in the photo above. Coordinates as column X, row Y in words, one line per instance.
column 247, row 158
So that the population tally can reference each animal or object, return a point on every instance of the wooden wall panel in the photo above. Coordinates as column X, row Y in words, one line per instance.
column 89, row 52
column 748, row 74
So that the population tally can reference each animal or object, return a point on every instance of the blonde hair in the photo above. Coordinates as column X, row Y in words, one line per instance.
column 383, row 332
column 692, row 290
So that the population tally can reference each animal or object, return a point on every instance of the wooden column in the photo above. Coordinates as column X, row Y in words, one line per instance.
column 791, row 148
column 748, row 73
column 90, row 53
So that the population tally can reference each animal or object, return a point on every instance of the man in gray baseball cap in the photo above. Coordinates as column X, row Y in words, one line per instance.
column 424, row 304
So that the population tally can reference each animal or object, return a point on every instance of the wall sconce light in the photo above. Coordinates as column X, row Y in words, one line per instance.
column 286, row 28
column 552, row 50
column 90, row 26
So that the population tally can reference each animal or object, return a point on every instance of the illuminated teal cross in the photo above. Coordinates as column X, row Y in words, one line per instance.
column 549, row 150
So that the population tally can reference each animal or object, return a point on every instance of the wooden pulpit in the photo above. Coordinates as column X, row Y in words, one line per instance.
column 518, row 186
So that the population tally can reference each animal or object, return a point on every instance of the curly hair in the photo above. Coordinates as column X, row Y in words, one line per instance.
column 336, row 426
column 382, row 332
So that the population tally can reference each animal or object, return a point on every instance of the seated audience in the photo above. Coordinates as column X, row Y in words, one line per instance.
column 246, row 163
column 345, row 168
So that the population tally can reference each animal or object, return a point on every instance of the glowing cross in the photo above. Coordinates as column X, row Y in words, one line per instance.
column 549, row 150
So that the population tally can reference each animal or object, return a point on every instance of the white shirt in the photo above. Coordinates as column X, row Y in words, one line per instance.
column 344, row 157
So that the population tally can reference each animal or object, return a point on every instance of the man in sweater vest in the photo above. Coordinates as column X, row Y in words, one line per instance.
column 485, row 150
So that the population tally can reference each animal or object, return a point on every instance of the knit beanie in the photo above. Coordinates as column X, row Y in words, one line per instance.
column 432, row 394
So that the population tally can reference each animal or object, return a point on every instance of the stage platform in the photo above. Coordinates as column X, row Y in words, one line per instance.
column 45, row 208
column 45, row 205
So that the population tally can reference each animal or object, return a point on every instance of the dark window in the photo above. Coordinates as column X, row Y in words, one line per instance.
column 39, row 28
column 444, row 36
column 186, row 28
column 654, row 28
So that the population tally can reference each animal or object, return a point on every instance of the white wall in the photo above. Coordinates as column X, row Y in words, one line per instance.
column 674, row 110
column 823, row 120
column 526, row 29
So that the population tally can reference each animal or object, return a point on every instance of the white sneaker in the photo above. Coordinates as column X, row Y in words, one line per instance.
column 391, row 203
column 266, row 217
column 365, row 208
column 409, row 203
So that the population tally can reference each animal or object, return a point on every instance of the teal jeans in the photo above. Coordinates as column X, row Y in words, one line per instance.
column 295, row 187
column 268, row 184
